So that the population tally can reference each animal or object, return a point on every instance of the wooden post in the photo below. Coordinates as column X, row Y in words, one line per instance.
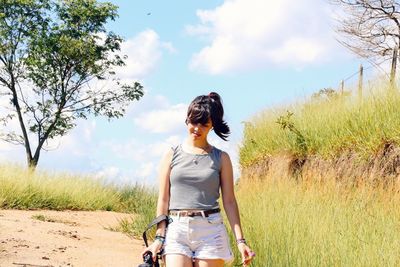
column 342, row 88
column 393, row 70
column 360, row 82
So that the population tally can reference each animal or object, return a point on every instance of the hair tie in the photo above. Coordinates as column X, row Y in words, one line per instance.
column 210, row 95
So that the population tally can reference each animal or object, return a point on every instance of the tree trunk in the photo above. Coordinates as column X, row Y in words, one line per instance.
column 32, row 164
column 27, row 145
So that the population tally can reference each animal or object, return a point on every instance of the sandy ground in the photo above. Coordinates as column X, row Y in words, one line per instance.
column 67, row 238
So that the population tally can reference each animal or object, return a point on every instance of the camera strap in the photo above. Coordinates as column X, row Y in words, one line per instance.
column 154, row 222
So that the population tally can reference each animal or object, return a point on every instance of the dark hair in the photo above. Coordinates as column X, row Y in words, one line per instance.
column 206, row 107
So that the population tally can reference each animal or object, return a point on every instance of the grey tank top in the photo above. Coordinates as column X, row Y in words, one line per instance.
column 194, row 179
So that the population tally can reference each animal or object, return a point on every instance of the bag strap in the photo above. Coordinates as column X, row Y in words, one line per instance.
column 156, row 221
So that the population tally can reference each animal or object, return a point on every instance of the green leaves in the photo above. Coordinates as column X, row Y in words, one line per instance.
column 59, row 50
column 286, row 122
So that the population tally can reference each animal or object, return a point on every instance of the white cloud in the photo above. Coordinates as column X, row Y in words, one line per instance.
column 147, row 103
column 169, row 47
column 136, row 150
column 145, row 170
column 144, row 158
column 144, row 52
column 110, row 172
column 158, row 149
column 298, row 50
column 164, row 120
column 246, row 34
column 79, row 141
column 4, row 146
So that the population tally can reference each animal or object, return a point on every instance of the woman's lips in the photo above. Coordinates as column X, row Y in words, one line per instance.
column 196, row 134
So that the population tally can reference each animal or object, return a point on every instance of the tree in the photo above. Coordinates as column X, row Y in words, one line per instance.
column 371, row 29
column 326, row 94
column 51, row 54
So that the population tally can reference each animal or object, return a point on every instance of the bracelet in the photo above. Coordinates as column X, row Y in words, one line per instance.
column 241, row 240
column 160, row 238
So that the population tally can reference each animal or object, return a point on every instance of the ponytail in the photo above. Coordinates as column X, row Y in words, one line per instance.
column 221, row 128
column 207, row 107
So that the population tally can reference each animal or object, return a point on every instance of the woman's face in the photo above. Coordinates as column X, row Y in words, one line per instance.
column 199, row 131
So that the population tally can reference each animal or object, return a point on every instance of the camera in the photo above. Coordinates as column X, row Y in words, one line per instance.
column 148, row 260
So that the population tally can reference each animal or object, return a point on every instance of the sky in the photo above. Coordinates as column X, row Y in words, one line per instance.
column 257, row 54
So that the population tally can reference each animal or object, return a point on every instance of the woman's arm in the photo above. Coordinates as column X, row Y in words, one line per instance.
column 163, row 193
column 162, row 202
column 231, row 207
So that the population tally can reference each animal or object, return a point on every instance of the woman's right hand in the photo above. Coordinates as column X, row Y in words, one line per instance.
column 154, row 248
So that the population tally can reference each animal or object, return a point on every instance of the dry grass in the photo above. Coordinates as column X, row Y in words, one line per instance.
column 319, row 221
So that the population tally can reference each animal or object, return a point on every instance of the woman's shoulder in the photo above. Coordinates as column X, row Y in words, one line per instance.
column 174, row 153
column 170, row 152
column 174, row 147
column 221, row 154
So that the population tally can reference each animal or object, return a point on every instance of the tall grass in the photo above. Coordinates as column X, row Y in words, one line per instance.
column 329, row 127
column 23, row 189
column 143, row 202
column 341, row 206
column 290, row 224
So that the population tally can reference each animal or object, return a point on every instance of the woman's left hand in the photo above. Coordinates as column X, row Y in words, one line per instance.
column 247, row 254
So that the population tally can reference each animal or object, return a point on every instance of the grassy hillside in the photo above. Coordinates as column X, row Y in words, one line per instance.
column 326, row 126
column 321, row 181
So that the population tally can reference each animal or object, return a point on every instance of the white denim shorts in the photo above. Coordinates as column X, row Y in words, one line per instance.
column 198, row 237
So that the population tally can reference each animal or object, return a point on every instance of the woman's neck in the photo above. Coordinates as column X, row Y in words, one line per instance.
column 198, row 143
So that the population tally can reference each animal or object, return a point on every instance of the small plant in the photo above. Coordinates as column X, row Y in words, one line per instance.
column 285, row 121
column 39, row 217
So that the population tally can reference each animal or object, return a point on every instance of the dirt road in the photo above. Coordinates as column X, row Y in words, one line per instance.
column 68, row 238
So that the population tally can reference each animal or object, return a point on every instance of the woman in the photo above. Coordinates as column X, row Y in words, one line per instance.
column 191, row 177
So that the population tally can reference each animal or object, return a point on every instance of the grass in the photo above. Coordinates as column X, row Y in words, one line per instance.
column 341, row 207
column 325, row 127
column 143, row 202
column 286, row 222
column 22, row 189
column 289, row 224
column 40, row 217
column 335, row 213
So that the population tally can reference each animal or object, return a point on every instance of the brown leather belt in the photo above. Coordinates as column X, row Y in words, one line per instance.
column 190, row 213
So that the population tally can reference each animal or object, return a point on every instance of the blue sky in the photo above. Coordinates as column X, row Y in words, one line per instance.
column 255, row 53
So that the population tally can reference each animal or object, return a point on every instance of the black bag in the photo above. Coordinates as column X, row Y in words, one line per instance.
column 148, row 256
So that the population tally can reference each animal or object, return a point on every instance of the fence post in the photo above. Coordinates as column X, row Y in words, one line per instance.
column 393, row 70
column 360, row 82
column 342, row 88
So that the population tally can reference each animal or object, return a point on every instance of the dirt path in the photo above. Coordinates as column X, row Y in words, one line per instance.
column 67, row 238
